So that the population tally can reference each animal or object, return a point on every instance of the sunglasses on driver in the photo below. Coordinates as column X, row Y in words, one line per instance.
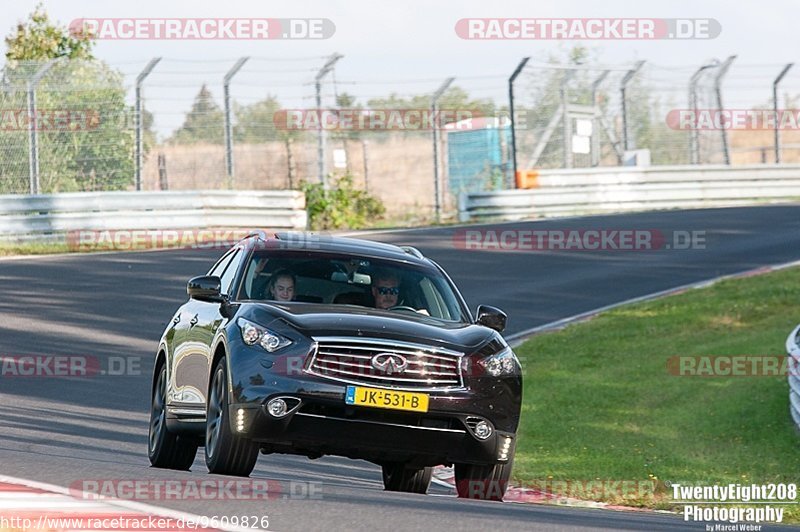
column 388, row 290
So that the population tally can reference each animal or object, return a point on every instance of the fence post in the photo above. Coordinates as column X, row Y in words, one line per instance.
column 327, row 67
column 775, row 109
column 434, row 112
column 511, row 79
column 33, row 126
column 595, row 129
column 566, row 120
column 290, row 161
column 723, row 69
column 163, row 184
column 226, row 91
column 626, row 143
column 365, row 152
column 139, row 123
column 694, row 139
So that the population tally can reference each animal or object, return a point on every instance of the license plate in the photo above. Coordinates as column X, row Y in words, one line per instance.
column 358, row 395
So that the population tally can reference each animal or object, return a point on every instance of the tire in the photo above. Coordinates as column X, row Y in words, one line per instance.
column 398, row 477
column 226, row 453
column 165, row 449
column 483, row 482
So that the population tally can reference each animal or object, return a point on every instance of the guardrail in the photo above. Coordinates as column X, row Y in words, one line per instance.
column 609, row 190
column 51, row 216
column 793, row 351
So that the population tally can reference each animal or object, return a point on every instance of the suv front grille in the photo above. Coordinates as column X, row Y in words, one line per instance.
column 412, row 366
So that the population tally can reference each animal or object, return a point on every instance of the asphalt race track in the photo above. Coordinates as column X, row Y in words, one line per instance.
column 62, row 430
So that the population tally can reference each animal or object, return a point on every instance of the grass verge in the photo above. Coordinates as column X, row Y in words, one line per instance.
column 601, row 404
column 32, row 248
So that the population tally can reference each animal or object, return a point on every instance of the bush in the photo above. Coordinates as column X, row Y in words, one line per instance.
column 342, row 206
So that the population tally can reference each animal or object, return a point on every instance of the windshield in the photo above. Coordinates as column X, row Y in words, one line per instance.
column 349, row 280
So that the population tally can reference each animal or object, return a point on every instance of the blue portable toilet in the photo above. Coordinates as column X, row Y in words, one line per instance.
column 475, row 156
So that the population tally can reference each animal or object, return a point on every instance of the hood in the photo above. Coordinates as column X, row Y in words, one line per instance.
column 314, row 320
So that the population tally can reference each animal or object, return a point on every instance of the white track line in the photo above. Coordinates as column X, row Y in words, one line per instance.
column 92, row 502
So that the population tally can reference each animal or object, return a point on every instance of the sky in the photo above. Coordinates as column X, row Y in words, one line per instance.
column 411, row 46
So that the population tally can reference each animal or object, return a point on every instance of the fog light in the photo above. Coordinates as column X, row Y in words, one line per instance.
column 483, row 430
column 505, row 449
column 240, row 420
column 277, row 408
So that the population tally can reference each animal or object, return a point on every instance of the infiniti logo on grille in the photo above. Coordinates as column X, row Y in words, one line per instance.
column 389, row 363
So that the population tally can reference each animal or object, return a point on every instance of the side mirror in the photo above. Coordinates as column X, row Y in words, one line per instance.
column 205, row 288
column 492, row 317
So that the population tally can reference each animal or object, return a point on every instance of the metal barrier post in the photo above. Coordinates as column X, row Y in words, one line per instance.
column 723, row 69
column 139, row 123
column 775, row 109
column 434, row 109
column 226, row 90
column 622, row 88
column 514, row 75
column 33, row 125
column 327, row 67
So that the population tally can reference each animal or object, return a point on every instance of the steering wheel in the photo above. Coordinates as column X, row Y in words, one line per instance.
column 402, row 307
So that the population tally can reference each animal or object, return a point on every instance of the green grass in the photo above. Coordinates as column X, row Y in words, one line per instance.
column 599, row 402
column 32, row 248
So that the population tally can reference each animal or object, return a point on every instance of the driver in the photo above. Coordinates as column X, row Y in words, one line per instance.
column 386, row 290
column 281, row 286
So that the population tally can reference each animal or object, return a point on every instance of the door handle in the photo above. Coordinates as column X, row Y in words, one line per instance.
column 193, row 321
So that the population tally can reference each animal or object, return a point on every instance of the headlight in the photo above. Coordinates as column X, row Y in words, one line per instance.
column 253, row 334
column 502, row 363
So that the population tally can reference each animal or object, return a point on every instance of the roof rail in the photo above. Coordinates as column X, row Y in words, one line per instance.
column 413, row 251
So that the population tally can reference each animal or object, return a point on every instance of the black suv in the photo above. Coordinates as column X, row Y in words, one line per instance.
column 373, row 355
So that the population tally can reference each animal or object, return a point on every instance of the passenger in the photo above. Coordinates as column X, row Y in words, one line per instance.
column 386, row 290
column 281, row 286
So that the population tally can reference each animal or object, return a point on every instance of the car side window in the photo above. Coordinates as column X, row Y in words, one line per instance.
column 230, row 270
column 221, row 264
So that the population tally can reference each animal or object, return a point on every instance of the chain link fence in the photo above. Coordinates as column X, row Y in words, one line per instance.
column 80, row 125
column 578, row 116
column 64, row 126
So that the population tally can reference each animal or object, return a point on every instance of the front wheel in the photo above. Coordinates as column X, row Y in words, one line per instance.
column 226, row 453
column 484, row 482
column 165, row 449
column 398, row 477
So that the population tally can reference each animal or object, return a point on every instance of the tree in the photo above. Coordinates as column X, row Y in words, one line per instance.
column 345, row 101
column 90, row 153
column 205, row 122
column 454, row 98
column 39, row 39
column 255, row 122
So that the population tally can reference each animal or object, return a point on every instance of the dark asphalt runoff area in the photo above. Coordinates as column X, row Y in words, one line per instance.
column 114, row 307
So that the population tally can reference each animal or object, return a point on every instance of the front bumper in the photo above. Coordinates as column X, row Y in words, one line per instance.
column 322, row 423
column 355, row 435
